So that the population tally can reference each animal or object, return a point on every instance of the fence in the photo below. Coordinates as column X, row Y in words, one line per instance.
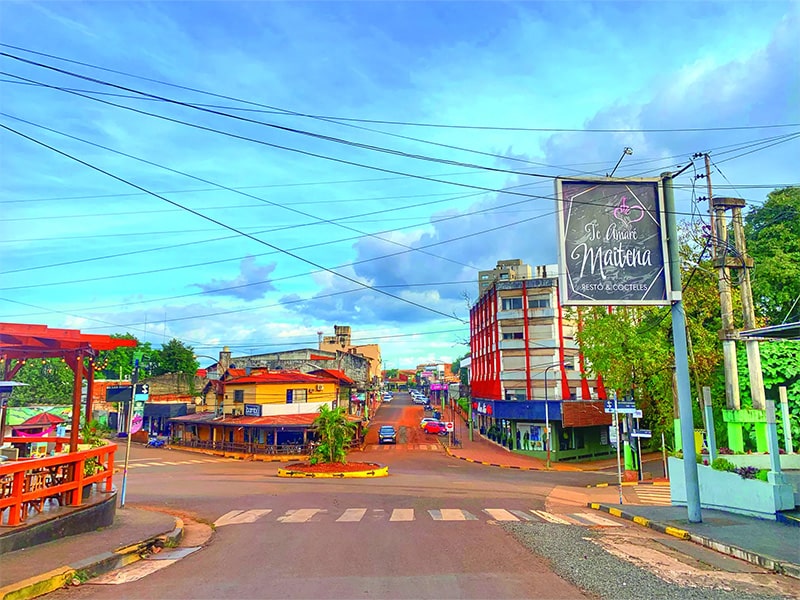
column 26, row 484
column 244, row 448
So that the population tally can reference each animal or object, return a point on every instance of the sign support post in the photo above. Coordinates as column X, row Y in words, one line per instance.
column 137, row 357
column 681, row 357
column 619, row 441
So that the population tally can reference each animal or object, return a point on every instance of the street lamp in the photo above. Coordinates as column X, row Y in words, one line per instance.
column 547, row 411
column 216, row 362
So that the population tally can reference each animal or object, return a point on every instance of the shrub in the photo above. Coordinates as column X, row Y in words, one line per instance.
column 747, row 472
column 762, row 474
column 724, row 450
column 722, row 464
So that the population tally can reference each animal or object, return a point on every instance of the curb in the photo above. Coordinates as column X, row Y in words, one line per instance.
column 761, row 560
column 629, row 484
column 488, row 464
column 379, row 472
column 87, row 568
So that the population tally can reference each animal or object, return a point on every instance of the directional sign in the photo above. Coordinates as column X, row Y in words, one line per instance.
column 641, row 433
column 622, row 407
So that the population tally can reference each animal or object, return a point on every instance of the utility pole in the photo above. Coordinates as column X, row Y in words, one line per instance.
column 719, row 253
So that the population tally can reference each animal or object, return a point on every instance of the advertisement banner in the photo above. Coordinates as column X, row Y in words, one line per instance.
column 612, row 242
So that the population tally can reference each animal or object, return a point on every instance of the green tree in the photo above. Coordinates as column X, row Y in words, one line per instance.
column 50, row 381
column 773, row 241
column 334, row 431
column 463, row 372
column 118, row 363
column 175, row 357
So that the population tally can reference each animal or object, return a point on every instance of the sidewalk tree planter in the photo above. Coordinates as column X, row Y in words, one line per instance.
column 728, row 491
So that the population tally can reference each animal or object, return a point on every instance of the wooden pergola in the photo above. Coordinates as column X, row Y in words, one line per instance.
column 21, row 342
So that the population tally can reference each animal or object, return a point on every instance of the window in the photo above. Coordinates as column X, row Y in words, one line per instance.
column 516, row 395
column 484, row 276
column 504, row 276
column 539, row 302
column 512, row 303
column 296, row 396
column 512, row 335
column 238, row 395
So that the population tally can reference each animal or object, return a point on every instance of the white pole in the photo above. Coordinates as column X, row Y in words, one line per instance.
column 547, row 430
column 619, row 441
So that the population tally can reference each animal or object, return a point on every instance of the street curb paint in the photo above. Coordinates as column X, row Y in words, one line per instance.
column 629, row 484
column 380, row 472
column 45, row 583
column 761, row 560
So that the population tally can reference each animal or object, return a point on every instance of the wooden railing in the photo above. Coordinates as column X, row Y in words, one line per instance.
column 28, row 483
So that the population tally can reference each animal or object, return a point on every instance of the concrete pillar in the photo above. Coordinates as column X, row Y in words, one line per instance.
column 710, row 433
column 786, row 419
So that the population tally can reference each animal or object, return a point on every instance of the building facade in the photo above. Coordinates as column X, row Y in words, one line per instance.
column 341, row 341
column 506, row 270
column 526, row 372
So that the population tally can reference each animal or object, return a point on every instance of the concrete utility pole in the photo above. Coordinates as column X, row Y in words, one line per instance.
column 748, row 311
column 719, row 253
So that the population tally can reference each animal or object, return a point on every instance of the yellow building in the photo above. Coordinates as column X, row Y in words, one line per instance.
column 258, row 411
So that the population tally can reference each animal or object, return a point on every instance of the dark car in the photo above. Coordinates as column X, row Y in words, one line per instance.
column 387, row 435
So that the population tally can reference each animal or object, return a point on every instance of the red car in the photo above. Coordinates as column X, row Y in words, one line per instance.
column 434, row 427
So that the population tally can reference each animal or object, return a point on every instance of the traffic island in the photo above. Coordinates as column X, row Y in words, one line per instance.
column 334, row 470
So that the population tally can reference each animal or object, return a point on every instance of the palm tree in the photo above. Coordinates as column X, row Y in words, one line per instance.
column 334, row 431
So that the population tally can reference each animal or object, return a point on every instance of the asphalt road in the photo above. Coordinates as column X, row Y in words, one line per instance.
column 435, row 528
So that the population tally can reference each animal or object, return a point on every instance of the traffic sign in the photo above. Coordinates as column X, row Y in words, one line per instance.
column 641, row 433
column 449, row 426
column 142, row 391
column 622, row 407
column 612, row 434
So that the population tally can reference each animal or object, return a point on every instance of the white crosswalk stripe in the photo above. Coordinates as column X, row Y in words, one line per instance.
column 657, row 495
column 500, row 514
column 550, row 518
column 352, row 514
column 451, row 514
column 400, row 515
column 302, row 515
column 235, row 517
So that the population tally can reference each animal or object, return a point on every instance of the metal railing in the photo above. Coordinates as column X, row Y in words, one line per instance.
column 245, row 448
column 26, row 484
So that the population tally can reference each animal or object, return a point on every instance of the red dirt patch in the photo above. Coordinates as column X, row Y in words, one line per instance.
column 348, row 467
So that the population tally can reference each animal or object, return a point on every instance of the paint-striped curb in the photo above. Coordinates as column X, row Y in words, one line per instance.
column 788, row 519
column 379, row 472
column 51, row 581
column 488, row 464
column 628, row 484
column 761, row 560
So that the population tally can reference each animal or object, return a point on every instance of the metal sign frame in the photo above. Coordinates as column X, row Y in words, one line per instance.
column 623, row 242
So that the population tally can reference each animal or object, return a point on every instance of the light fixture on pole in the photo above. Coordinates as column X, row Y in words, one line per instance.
column 626, row 152
column 547, row 412
column 219, row 375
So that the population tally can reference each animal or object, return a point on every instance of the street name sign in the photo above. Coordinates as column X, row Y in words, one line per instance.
column 622, row 407
column 641, row 433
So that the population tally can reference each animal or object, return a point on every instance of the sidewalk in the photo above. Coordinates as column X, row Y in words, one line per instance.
column 773, row 545
column 34, row 571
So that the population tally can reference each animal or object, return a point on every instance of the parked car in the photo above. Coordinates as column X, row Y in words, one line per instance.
column 426, row 420
column 387, row 397
column 387, row 435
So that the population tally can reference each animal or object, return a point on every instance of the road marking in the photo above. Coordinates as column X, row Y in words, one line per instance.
column 248, row 516
column 226, row 517
column 196, row 461
column 500, row 514
column 402, row 514
column 302, row 515
column 655, row 495
column 351, row 515
column 551, row 518
column 167, row 462
column 452, row 514
column 595, row 520
column 522, row 515
column 158, row 464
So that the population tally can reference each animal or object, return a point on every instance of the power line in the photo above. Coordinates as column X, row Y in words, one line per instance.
column 398, row 122
column 229, row 227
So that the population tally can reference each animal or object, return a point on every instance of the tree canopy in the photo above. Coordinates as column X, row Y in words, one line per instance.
column 773, row 241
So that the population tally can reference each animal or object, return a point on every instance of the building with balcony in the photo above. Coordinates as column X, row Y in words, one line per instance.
column 526, row 371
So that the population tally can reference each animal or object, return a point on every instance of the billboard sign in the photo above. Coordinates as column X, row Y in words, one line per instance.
column 612, row 242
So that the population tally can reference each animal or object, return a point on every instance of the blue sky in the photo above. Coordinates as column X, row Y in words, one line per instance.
column 293, row 236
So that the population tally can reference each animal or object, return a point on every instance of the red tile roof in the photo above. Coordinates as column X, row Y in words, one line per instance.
column 336, row 374
column 271, row 377
column 304, row 420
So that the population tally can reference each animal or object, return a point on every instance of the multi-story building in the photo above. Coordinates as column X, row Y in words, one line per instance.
column 506, row 270
column 526, row 371
column 341, row 341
